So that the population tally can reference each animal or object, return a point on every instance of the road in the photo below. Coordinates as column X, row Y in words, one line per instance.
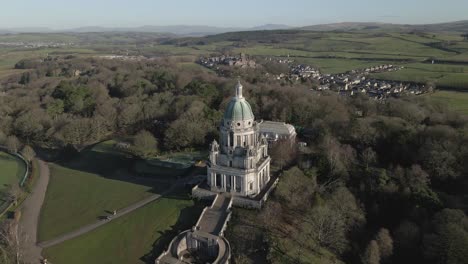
column 30, row 211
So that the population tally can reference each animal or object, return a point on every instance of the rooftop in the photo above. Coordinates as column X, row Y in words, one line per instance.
column 279, row 128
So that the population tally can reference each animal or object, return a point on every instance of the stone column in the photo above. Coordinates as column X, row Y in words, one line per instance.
column 268, row 172
column 224, row 182
column 233, row 183
column 259, row 180
column 263, row 177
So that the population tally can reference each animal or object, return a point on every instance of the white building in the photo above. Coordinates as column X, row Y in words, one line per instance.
column 240, row 163
column 275, row 131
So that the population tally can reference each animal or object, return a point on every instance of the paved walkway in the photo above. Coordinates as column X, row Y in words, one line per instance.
column 122, row 212
column 30, row 210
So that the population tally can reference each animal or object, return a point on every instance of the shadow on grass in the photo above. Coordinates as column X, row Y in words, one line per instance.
column 187, row 219
column 117, row 166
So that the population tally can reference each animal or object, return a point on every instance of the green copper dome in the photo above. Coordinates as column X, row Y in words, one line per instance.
column 238, row 109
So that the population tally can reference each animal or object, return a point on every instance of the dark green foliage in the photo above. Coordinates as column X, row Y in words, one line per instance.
column 27, row 64
column 207, row 91
column 55, row 108
column 447, row 242
column 76, row 99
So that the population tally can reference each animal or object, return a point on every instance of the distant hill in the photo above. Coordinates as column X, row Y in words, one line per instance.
column 270, row 27
column 184, row 30
column 195, row 30
column 458, row 26
column 176, row 29
column 25, row 30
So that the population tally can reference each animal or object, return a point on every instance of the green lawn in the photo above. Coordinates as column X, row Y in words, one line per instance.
column 130, row 238
column 83, row 189
column 12, row 170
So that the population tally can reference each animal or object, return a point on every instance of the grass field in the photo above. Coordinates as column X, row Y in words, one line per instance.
column 457, row 101
column 83, row 189
column 11, row 170
column 130, row 238
column 444, row 75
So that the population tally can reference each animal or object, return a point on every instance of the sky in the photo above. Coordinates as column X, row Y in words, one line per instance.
column 60, row 14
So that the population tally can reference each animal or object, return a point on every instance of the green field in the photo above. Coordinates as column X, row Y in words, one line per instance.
column 12, row 170
column 83, row 189
column 444, row 75
column 130, row 238
column 457, row 101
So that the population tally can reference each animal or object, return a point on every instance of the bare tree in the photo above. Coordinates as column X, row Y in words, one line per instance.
column 372, row 253
column 385, row 242
column 28, row 153
column 12, row 143
column 327, row 227
column 9, row 244
column 283, row 152
column 368, row 156
column 145, row 143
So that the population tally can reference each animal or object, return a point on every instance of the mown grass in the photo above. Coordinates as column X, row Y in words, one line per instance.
column 12, row 170
column 83, row 189
column 135, row 238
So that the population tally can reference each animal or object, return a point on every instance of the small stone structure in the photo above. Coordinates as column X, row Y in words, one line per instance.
column 205, row 242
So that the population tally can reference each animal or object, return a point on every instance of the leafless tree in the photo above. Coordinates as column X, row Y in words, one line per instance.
column 385, row 243
column 372, row 254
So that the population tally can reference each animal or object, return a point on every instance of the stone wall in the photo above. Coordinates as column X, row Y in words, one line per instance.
column 238, row 201
column 202, row 194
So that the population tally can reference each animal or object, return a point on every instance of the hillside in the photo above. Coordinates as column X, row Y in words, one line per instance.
column 457, row 26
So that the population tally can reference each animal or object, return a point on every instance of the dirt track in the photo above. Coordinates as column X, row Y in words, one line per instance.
column 31, row 209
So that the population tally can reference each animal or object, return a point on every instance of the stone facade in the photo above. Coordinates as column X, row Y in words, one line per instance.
column 239, row 163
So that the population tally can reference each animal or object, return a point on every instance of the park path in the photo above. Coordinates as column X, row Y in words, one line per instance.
column 30, row 211
column 85, row 229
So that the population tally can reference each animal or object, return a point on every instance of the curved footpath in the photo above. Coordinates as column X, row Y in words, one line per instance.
column 31, row 209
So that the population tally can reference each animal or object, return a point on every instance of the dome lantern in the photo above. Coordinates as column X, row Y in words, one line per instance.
column 238, row 108
column 239, row 89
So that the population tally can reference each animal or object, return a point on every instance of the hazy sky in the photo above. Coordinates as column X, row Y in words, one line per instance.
column 243, row 13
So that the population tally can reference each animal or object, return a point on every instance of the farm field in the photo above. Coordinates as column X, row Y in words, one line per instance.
column 444, row 75
column 457, row 101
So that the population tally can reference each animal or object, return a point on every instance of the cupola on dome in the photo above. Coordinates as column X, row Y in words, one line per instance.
column 238, row 108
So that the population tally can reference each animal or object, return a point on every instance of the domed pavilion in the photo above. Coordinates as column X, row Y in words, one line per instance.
column 239, row 163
